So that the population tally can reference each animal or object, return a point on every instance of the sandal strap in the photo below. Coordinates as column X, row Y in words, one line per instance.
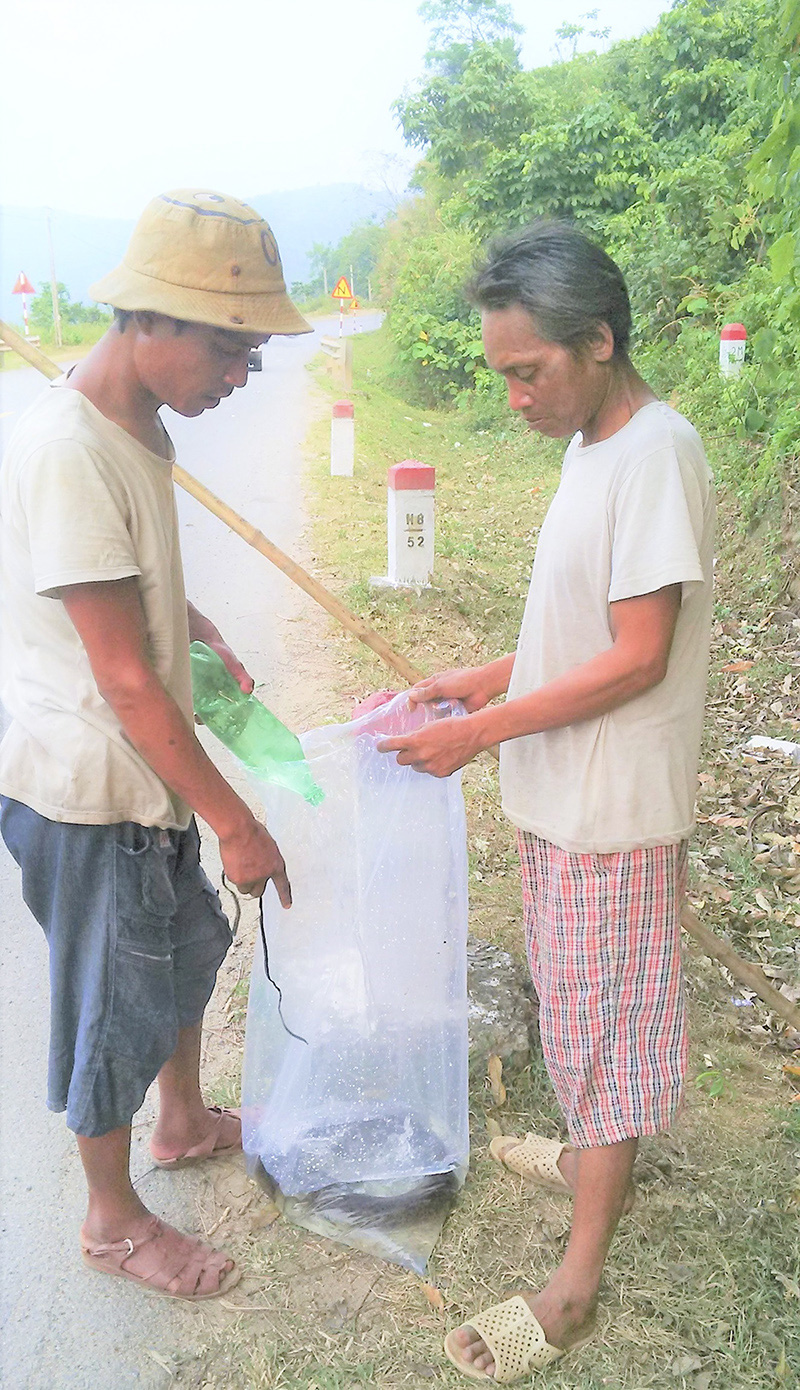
column 125, row 1247
column 515, row 1338
column 207, row 1146
column 192, row 1260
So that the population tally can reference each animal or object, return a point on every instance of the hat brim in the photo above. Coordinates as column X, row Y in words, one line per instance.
column 256, row 314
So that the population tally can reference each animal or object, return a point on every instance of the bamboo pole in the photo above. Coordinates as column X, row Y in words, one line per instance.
column 251, row 534
column 297, row 574
column 29, row 351
column 745, row 971
column 748, row 974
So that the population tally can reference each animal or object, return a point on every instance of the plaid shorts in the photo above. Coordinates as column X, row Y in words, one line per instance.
column 603, row 939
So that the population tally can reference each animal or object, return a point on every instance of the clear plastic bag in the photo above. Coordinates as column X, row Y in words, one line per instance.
column 355, row 1078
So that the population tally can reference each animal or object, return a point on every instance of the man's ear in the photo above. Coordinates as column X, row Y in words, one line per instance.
column 601, row 345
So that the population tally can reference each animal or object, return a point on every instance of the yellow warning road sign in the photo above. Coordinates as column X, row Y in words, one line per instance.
column 341, row 289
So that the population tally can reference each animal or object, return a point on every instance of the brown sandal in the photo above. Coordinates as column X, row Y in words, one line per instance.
column 208, row 1148
column 157, row 1278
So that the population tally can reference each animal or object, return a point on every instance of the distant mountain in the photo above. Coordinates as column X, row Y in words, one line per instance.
column 86, row 247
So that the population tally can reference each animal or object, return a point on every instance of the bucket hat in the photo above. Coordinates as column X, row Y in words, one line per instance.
column 204, row 258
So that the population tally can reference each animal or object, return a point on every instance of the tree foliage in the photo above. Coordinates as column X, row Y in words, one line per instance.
column 71, row 311
column 678, row 150
column 356, row 256
column 459, row 26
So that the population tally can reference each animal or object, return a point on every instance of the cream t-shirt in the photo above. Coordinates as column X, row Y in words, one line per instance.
column 81, row 501
column 632, row 514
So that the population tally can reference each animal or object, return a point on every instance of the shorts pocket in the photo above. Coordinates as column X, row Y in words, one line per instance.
column 145, row 862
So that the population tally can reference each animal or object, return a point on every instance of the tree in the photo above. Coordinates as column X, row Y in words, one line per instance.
column 462, row 121
column 70, row 310
column 357, row 253
column 457, row 26
column 645, row 145
column 775, row 166
column 568, row 36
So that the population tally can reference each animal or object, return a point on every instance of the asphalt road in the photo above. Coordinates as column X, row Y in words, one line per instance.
column 64, row 1327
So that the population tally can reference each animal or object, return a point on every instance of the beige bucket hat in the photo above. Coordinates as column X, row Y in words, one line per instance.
column 205, row 258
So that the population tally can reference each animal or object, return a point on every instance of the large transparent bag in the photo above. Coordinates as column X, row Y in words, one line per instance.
column 355, row 1074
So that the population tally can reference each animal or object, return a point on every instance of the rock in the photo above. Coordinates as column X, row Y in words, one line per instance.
column 503, row 1012
column 774, row 745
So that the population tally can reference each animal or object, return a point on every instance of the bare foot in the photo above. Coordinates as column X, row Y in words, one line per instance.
column 159, row 1258
column 565, row 1321
column 215, row 1131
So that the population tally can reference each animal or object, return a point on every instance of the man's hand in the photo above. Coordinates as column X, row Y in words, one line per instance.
column 474, row 686
column 439, row 749
column 372, row 702
column 201, row 629
column 250, row 858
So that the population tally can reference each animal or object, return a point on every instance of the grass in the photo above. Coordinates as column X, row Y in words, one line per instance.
column 698, row 1292
column 80, row 339
column 702, row 1288
column 490, row 504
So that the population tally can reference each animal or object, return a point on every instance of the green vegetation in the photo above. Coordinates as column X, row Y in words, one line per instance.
column 81, row 326
column 679, row 151
column 355, row 256
column 80, row 323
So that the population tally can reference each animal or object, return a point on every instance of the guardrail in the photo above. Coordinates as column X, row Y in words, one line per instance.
column 340, row 350
column 6, row 347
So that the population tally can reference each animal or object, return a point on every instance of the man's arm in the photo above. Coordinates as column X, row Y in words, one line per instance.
column 109, row 620
column 642, row 629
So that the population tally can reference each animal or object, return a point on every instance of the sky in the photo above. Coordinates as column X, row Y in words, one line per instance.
column 106, row 102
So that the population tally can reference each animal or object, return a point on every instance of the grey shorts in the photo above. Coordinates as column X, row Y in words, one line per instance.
column 136, row 937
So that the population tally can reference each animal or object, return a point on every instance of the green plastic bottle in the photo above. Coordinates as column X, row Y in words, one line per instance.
column 248, row 728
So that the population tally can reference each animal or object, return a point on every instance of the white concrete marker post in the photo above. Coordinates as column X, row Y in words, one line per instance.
column 732, row 341
column 343, row 439
column 410, row 525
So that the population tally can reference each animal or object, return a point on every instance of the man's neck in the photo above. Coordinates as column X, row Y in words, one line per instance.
column 625, row 394
column 108, row 378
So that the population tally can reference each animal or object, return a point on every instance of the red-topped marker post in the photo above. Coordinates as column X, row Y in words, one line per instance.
column 732, row 342
column 343, row 439
column 24, row 287
column 410, row 525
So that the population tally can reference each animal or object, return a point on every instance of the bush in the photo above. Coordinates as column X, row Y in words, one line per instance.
column 435, row 329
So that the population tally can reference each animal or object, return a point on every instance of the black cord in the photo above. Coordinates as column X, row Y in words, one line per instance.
column 237, row 906
column 275, row 986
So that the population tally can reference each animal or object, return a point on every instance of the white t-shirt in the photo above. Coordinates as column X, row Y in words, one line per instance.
column 81, row 501
column 632, row 514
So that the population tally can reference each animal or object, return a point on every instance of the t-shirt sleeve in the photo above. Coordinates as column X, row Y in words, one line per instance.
column 77, row 518
column 657, row 527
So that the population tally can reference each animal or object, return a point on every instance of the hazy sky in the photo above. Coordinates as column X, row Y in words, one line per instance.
column 107, row 102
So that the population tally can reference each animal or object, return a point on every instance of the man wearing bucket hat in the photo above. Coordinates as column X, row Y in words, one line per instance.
column 100, row 770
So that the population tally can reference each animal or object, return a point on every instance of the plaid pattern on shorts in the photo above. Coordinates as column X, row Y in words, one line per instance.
column 603, row 939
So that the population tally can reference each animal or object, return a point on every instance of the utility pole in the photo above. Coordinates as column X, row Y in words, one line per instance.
column 54, row 284
column 352, row 282
column 325, row 278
